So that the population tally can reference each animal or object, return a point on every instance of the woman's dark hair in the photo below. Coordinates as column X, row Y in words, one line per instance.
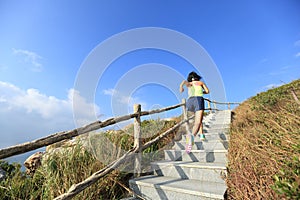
column 193, row 76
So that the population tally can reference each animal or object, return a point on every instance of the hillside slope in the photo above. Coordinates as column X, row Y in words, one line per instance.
column 264, row 150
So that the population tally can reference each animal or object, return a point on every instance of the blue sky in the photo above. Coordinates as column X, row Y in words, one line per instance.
column 254, row 45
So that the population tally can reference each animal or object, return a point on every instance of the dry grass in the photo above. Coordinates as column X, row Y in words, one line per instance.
column 264, row 148
column 75, row 163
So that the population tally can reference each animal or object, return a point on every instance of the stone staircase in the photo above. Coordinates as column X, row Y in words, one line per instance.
column 198, row 175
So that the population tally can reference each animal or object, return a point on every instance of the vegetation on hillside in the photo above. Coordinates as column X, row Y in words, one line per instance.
column 70, row 165
column 264, row 150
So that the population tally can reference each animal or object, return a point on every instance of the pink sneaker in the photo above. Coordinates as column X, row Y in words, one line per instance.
column 189, row 143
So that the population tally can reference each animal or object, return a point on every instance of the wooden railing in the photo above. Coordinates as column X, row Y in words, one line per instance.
column 214, row 104
column 57, row 137
column 136, row 151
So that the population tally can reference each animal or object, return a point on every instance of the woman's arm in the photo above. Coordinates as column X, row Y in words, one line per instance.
column 184, row 82
column 206, row 90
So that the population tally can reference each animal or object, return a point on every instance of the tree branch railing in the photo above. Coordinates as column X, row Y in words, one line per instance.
column 209, row 102
column 136, row 151
column 57, row 137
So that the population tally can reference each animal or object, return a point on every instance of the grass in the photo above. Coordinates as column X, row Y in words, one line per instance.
column 72, row 164
column 59, row 171
column 264, row 153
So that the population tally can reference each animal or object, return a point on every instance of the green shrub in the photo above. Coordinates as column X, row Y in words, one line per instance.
column 16, row 185
column 287, row 181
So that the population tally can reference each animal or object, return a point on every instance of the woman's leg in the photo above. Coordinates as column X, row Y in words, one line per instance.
column 201, row 124
column 198, row 122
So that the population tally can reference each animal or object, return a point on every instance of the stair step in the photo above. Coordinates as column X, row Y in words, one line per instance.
column 217, row 124
column 216, row 130
column 214, row 156
column 162, row 187
column 214, row 172
column 201, row 145
column 212, row 136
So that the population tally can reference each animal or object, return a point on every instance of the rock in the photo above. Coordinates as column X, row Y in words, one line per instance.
column 33, row 162
column 67, row 143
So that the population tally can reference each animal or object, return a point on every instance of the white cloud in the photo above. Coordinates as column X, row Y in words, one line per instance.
column 32, row 100
column 109, row 92
column 85, row 112
column 29, row 114
column 30, row 57
column 298, row 54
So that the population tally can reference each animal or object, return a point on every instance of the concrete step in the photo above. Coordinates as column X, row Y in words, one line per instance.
column 216, row 129
column 221, row 115
column 202, row 145
column 217, row 125
column 214, row 172
column 210, row 156
column 162, row 187
column 211, row 136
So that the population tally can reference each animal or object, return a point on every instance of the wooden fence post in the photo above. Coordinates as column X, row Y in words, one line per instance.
column 137, row 140
column 215, row 106
column 185, row 117
column 209, row 106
